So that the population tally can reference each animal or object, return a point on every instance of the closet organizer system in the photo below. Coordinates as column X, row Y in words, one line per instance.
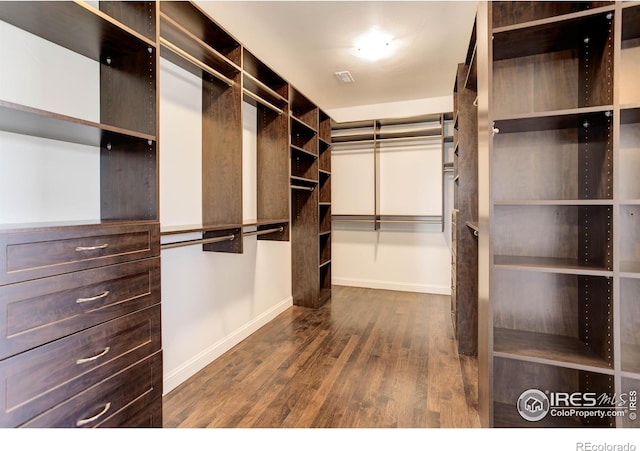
column 293, row 151
column 80, row 300
column 559, row 154
column 371, row 145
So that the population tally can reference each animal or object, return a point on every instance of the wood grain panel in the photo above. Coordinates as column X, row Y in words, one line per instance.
column 140, row 16
column 221, row 152
column 273, row 164
column 466, row 204
column 304, row 247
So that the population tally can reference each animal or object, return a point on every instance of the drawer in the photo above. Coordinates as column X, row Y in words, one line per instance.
column 32, row 254
column 39, row 311
column 37, row 380
column 120, row 398
column 142, row 413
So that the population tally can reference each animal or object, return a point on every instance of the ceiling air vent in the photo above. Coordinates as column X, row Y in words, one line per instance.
column 344, row 76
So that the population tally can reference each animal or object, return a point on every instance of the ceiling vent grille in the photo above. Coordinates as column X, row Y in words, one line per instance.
column 344, row 76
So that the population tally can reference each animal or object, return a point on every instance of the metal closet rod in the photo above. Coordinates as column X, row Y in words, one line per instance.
column 263, row 232
column 305, row 188
column 219, row 239
column 262, row 101
column 195, row 61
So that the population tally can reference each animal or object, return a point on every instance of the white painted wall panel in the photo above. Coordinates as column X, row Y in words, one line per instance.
column 352, row 179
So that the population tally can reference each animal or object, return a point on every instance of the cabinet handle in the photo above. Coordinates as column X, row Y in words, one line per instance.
column 94, row 298
column 84, row 421
column 91, row 359
column 92, row 248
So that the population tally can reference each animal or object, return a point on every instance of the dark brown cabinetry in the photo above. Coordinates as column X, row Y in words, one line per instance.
column 558, row 142
column 80, row 299
column 464, row 270
column 310, row 201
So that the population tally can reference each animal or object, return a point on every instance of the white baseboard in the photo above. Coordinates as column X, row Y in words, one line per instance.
column 385, row 285
column 183, row 372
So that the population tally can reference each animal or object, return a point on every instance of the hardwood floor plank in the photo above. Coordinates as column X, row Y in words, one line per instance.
column 367, row 359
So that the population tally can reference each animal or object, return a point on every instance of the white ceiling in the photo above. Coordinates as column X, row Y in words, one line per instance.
column 307, row 41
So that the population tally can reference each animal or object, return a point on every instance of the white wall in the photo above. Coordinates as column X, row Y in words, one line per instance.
column 406, row 258
column 210, row 301
column 43, row 180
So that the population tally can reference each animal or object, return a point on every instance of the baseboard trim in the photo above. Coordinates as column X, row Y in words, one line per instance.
column 385, row 285
column 183, row 372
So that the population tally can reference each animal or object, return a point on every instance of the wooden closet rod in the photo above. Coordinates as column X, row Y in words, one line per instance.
column 195, row 61
column 217, row 239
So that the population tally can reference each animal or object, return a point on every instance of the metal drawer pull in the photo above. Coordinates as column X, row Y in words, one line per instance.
column 92, row 248
column 94, row 298
column 91, row 359
column 95, row 417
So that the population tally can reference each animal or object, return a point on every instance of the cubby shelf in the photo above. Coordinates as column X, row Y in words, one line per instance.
column 15, row 118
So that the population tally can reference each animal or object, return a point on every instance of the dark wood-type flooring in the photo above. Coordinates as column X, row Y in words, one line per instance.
column 367, row 359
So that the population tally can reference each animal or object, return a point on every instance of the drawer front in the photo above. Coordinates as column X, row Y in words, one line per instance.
column 144, row 412
column 118, row 400
column 37, row 312
column 27, row 255
column 37, row 380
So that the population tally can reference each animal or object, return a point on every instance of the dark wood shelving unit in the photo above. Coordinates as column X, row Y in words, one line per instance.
column 559, row 232
column 310, row 146
column 464, row 264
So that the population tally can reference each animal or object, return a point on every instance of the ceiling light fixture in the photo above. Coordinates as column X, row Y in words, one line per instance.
column 374, row 45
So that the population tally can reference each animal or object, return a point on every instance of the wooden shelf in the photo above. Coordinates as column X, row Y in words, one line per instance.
column 76, row 26
column 182, row 40
column 15, row 118
column 556, row 202
column 630, row 20
column 259, row 79
column 548, row 35
column 548, row 264
column 190, row 26
column 303, row 151
column 548, row 349
column 630, row 114
column 301, row 125
column 303, row 180
column 630, row 356
column 554, row 120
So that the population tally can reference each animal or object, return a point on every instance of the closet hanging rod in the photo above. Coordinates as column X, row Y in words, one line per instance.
column 217, row 239
column 195, row 61
column 305, row 188
column 263, row 232
column 409, row 221
column 260, row 100
column 408, row 138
